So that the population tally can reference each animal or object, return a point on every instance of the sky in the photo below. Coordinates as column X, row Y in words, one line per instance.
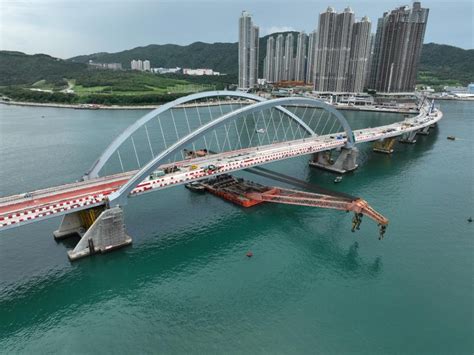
column 66, row 28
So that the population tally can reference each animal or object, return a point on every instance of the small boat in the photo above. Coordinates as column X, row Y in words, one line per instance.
column 260, row 130
column 195, row 186
column 337, row 179
column 451, row 138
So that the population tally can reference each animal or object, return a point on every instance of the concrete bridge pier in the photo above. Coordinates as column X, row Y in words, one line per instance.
column 345, row 162
column 384, row 145
column 424, row 131
column 409, row 137
column 101, row 230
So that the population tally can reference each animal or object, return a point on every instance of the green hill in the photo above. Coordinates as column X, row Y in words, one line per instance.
column 42, row 78
column 19, row 68
column 218, row 56
column 441, row 64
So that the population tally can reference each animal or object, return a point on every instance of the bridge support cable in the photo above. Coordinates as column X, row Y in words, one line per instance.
column 149, row 142
column 136, row 154
column 174, row 124
column 325, row 124
column 162, row 132
column 332, row 127
column 280, row 124
column 312, row 117
column 302, row 117
column 320, row 117
column 200, row 124
column 275, row 132
column 120, row 160
column 189, row 127
column 287, row 130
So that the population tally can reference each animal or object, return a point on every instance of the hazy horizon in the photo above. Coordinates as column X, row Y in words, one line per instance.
column 68, row 29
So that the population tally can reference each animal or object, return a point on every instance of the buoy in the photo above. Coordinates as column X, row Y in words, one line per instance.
column 469, row 219
column 249, row 254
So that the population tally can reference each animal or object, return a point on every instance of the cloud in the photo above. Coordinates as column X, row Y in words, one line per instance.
column 275, row 29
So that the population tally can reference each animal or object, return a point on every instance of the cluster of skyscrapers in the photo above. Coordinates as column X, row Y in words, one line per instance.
column 397, row 49
column 281, row 61
column 342, row 55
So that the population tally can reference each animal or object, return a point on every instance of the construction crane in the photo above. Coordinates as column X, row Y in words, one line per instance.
column 319, row 197
column 359, row 206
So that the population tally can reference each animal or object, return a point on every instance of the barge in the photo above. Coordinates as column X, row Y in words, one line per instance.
column 236, row 190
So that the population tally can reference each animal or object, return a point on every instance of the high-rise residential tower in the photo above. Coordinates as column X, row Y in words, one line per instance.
column 310, row 62
column 300, row 60
column 397, row 50
column 248, row 51
column 269, row 62
column 333, row 50
column 359, row 56
column 146, row 65
column 279, row 56
column 375, row 55
column 288, row 71
column 370, row 61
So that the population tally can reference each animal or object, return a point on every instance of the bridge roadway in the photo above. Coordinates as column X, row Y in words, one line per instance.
column 18, row 210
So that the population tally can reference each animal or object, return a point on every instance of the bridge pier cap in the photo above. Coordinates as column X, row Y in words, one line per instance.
column 120, row 196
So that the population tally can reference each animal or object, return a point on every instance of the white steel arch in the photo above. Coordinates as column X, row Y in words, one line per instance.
column 93, row 171
column 120, row 196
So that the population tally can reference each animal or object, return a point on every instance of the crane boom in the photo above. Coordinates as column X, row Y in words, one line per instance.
column 359, row 206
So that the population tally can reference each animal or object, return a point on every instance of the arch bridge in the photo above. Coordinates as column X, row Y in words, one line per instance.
column 192, row 138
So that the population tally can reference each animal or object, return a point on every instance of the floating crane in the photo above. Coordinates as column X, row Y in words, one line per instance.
column 248, row 194
column 359, row 206
column 318, row 197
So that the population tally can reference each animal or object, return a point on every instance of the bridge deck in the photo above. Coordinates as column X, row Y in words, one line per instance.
column 18, row 210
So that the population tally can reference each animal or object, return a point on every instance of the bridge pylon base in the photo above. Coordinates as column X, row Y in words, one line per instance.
column 345, row 162
column 106, row 233
column 424, row 132
column 409, row 138
column 71, row 224
column 384, row 146
column 77, row 223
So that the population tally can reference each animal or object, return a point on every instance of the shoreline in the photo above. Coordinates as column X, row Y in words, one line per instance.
column 152, row 107
column 77, row 106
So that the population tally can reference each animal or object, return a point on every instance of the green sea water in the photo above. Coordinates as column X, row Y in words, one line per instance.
column 186, row 286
